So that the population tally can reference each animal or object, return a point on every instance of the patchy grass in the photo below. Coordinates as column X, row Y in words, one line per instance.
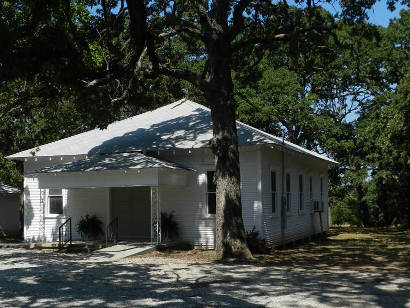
column 367, row 249
column 370, row 249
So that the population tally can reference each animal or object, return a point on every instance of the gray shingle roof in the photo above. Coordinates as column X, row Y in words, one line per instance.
column 180, row 125
column 117, row 161
column 6, row 190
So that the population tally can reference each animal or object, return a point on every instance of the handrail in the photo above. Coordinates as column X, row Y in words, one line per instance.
column 111, row 234
column 65, row 234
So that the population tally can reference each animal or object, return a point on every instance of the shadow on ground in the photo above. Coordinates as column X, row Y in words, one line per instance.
column 30, row 278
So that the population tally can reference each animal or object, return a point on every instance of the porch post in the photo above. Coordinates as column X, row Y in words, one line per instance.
column 155, row 215
column 42, row 231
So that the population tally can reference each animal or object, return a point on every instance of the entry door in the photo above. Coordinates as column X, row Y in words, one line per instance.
column 132, row 206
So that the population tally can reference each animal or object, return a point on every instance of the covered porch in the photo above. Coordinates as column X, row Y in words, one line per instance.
column 121, row 188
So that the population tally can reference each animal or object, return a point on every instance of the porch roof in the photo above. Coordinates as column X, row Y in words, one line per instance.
column 116, row 161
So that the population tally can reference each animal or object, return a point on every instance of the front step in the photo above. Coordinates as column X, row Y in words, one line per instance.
column 120, row 251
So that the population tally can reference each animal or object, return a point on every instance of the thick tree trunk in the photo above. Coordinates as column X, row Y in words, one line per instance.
column 230, row 231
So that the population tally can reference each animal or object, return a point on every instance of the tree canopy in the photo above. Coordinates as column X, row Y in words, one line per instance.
column 331, row 82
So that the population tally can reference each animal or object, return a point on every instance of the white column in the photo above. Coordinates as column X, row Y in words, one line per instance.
column 42, row 231
column 155, row 215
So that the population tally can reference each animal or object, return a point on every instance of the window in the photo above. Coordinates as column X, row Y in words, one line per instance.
column 321, row 193
column 55, row 202
column 300, row 192
column 211, row 192
column 273, row 190
column 287, row 192
column 310, row 188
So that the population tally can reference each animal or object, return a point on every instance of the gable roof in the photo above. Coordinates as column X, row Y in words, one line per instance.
column 180, row 125
column 8, row 190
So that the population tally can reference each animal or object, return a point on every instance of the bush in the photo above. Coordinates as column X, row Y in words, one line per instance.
column 256, row 244
column 90, row 227
column 341, row 214
column 169, row 227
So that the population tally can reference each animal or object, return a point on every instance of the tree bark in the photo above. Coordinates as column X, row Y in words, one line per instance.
column 230, row 231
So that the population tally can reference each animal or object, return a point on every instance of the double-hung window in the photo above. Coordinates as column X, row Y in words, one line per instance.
column 310, row 188
column 273, row 190
column 288, row 193
column 55, row 202
column 211, row 192
column 301, row 192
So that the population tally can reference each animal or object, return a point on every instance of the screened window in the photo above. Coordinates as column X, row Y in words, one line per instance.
column 55, row 201
column 288, row 193
column 300, row 192
column 273, row 190
column 211, row 192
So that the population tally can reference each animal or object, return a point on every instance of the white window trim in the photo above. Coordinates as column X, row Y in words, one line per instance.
column 321, row 193
column 47, row 204
column 277, row 193
column 302, row 195
column 290, row 211
column 207, row 214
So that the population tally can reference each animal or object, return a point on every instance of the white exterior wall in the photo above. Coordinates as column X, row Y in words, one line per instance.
column 190, row 203
column 77, row 202
column 300, row 224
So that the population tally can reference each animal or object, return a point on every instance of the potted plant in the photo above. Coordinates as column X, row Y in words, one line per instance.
column 90, row 227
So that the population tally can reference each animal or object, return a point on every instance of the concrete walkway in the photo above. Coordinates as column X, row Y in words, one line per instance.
column 120, row 251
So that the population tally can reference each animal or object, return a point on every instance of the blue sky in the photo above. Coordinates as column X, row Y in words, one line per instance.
column 380, row 15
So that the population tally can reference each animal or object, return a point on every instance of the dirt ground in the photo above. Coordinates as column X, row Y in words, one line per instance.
column 352, row 268
column 370, row 249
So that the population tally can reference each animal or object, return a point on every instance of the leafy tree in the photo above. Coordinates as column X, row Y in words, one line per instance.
column 111, row 53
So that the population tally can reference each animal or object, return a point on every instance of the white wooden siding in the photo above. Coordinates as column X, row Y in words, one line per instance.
column 300, row 224
column 190, row 203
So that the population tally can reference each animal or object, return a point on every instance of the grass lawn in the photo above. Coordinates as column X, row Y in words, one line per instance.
column 367, row 249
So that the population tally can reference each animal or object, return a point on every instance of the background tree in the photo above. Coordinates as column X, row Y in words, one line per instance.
column 115, row 56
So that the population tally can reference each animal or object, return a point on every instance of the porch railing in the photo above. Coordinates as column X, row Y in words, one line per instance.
column 65, row 234
column 111, row 234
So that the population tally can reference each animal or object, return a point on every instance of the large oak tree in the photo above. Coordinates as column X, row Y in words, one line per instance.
column 110, row 50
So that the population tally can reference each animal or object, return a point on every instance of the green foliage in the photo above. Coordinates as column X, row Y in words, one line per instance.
column 174, row 246
column 255, row 243
column 90, row 227
column 69, row 66
column 169, row 226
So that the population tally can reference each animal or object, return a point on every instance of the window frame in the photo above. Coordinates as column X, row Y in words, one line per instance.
column 288, row 192
column 321, row 204
column 48, row 195
column 301, row 201
column 209, row 192
column 274, row 193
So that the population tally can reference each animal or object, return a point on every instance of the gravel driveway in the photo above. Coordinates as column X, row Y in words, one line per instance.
column 33, row 278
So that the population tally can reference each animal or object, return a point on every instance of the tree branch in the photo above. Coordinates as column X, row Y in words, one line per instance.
column 238, row 18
